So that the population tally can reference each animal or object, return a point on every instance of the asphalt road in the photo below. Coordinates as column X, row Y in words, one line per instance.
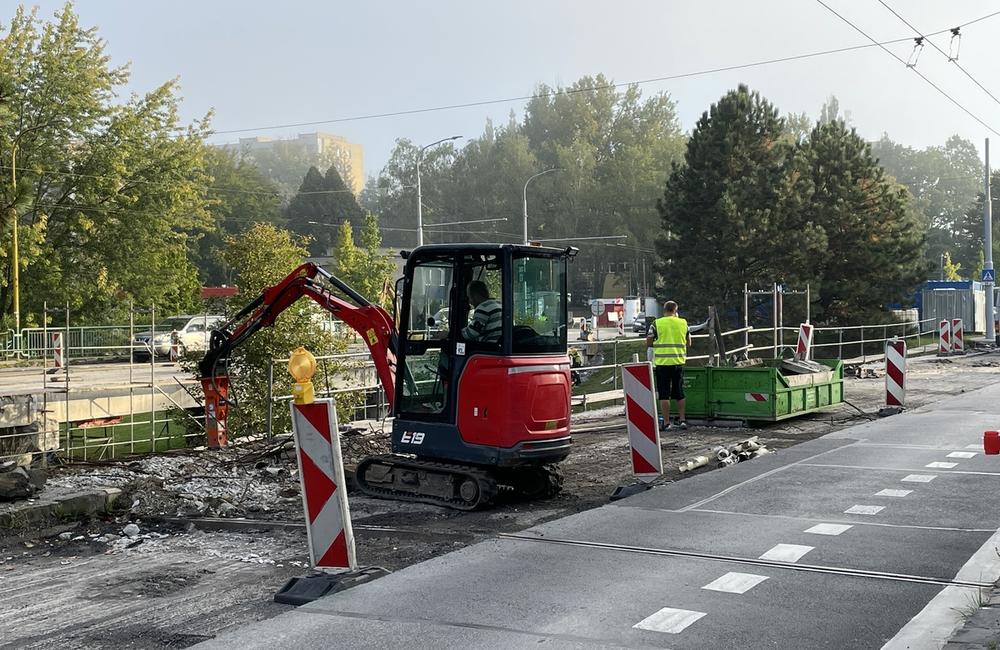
column 879, row 535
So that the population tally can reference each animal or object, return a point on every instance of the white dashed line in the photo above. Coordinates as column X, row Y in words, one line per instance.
column 829, row 529
column 786, row 552
column 864, row 510
column 919, row 478
column 962, row 454
column 735, row 583
column 940, row 465
column 669, row 620
column 893, row 493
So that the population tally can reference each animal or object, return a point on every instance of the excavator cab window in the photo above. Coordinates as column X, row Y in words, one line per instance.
column 428, row 329
column 539, row 299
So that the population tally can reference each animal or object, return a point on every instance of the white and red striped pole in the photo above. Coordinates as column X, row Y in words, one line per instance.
column 895, row 372
column 640, row 415
column 803, row 349
column 944, row 337
column 957, row 336
column 57, row 349
column 324, row 488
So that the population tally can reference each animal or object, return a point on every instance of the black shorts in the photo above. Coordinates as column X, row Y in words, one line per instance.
column 670, row 382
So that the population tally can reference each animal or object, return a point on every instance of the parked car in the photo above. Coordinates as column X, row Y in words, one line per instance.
column 192, row 333
column 639, row 323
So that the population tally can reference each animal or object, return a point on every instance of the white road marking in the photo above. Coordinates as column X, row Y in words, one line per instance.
column 962, row 454
column 786, row 552
column 893, row 493
column 919, row 478
column 940, row 465
column 669, row 620
column 829, row 529
column 976, row 446
column 735, row 583
column 864, row 510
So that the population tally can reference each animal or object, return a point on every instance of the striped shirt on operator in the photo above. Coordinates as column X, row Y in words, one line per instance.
column 487, row 323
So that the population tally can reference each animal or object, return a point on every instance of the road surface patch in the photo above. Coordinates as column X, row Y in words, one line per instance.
column 919, row 478
column 786, row 552
column 864, row 510
column 735, row 583
column 829, row 529
column 669, row 620
column 893, row 493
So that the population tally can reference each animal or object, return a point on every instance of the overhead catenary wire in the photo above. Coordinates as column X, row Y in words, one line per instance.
column 951, row 59
column 594, row 88
column 915, row 71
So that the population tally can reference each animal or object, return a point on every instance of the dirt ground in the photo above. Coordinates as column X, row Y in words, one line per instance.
column 196, row 565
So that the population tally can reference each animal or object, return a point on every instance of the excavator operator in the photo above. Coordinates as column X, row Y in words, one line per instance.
column 487, row 319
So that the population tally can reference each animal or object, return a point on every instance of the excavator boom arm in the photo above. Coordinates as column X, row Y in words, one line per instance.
column 371, row 321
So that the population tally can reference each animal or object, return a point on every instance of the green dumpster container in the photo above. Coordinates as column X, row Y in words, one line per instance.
column 762, row 393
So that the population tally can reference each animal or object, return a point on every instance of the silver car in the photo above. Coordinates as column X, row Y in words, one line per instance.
column 191, row 332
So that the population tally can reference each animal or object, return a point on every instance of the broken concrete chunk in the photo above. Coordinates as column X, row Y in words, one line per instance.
column 131, row 530
column 15, row 484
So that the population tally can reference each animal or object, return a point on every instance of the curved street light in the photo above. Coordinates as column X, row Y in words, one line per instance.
column 524, row 198
column 420, row 207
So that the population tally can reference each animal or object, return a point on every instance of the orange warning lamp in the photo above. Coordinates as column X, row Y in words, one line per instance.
column 302, row 366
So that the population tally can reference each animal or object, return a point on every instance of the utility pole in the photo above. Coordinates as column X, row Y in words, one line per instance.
column 988, row 272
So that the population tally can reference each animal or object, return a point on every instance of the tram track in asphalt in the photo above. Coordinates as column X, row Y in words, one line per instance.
column 748, row 561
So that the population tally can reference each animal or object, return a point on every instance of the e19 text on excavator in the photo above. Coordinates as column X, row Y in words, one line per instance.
column 474, row 368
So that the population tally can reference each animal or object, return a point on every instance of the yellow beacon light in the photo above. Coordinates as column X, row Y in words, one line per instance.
column 302, row 366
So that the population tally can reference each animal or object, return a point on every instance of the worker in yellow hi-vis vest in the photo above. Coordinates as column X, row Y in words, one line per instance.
column 669, row 339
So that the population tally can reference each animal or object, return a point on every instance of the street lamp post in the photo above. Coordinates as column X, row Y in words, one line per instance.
column 524, row 198
column 420, row 206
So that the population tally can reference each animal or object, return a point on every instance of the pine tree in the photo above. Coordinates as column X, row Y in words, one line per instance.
column 320, row 202
column 734, row 211
column 876, row 237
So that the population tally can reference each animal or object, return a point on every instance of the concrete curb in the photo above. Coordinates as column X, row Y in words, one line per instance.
column 982, row 630
column 53, row 506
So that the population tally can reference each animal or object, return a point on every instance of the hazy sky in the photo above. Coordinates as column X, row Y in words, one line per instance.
column 262, row 63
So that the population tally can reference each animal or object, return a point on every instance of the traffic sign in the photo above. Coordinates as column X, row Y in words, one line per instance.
column 596, row 308
column 989, row 275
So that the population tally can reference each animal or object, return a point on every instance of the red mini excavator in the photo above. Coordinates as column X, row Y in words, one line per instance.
column 474, row 367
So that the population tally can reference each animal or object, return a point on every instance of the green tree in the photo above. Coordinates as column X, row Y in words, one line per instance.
column 320, row 204
column 239, row 197
column 284, row 163
column 109, row 193
column 366, row 268
column 951, row 268
column 259, row 258
column 876, row 240
column 735, row 211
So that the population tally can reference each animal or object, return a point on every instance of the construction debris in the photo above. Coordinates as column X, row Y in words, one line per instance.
column 19, row 482
column 727, row 455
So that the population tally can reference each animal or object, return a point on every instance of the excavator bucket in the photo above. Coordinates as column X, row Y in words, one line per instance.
column 216, row 410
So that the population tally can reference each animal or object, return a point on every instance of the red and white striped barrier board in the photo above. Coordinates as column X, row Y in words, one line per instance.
column 755, row 397
column 57, row 349
column 895, row 372
column 640, row 414
column 957, row 336
column 324, row 490
column 944, row 337
column 804, row 346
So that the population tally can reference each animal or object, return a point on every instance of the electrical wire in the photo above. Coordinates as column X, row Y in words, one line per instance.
column 943, row 53
column 917, row 72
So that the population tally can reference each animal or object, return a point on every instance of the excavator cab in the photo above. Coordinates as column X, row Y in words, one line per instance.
column 483, row 376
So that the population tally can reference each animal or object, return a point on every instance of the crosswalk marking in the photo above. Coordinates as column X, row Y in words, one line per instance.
column 919, row 478
column 828, row 529
column 962, row 454
column 669, row 620
column 940, row 465
column 735, row 583
column 864, row 510
column 786, row 552
column 893, row 493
